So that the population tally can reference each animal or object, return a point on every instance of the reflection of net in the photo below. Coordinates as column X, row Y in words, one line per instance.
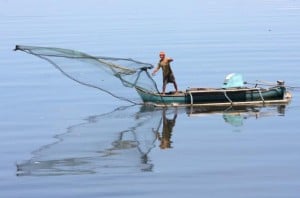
column 96, row 147
column 98, row 72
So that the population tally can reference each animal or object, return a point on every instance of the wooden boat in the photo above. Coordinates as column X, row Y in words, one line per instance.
column 237, row 96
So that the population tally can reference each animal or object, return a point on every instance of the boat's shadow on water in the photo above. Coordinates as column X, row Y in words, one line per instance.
column 120, row 141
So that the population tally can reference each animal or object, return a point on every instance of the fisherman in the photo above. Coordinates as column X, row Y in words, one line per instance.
column 168, row 76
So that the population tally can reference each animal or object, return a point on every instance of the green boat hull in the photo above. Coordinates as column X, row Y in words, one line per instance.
column 201, row 96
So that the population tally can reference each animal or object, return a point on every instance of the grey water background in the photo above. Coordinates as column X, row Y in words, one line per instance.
column 61, row 139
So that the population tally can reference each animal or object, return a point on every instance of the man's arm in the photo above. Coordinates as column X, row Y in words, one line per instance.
column 155, row 70
column 169, row 59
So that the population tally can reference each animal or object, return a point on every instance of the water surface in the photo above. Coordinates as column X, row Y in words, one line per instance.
column 61, row 139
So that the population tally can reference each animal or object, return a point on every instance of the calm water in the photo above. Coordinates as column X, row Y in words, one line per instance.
column 58, row 138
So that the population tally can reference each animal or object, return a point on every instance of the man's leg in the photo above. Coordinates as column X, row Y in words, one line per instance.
column 164, row 88
column 175, row 86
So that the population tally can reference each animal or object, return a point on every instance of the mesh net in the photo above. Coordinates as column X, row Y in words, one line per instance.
column 107, row 74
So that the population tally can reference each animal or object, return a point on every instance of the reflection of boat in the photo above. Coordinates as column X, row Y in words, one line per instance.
column 235, row 115
column 267, row 109
column 219, row 96
column 120, row 141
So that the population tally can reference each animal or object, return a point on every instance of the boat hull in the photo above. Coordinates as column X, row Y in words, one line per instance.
column 211, row 96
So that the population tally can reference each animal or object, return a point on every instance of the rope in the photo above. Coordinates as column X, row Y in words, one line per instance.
column 225, row 94
column 262, row 98
column 191, row 96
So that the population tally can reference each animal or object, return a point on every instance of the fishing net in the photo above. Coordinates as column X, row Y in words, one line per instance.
column 107, row 74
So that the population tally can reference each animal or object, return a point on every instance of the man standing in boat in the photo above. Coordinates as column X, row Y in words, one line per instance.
column 168, row 76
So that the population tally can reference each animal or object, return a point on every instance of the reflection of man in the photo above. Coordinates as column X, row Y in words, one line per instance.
column 168, row 124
